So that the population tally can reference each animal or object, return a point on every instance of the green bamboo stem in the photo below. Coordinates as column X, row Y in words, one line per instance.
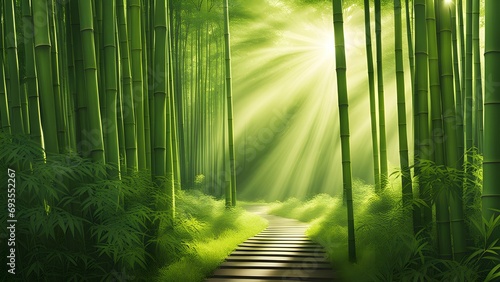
column 381, row 99
column 491, row 162
column 135, row 37
column 44, row 71
column 450, row 129
column 162, row 138
column 341, row 69
column 111, row 87
column 442, row 201
column 373, row 101
column 81, row 104
column 31, row 77
column 476, row 79
column 128, row 99
column 468, row 105
column 90, row 70
column 4, row 103
column 56, row 81
column 229, row 92
column 409, row 39
column 407, row 191
column 458, row 86
column 423, row 146
column 12, row 65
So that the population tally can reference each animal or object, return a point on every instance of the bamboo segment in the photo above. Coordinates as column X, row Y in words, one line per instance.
column 135, row 36
column 491, row 162
column 423, row 144
column 476, row 80
column 450, row 129
column 229, row 92
column 468, row 105
column 12, row 65
column 4, row 103
column 161, row 139
column 36, row 132
column 373, row 101
column 442, row 201
column 111, row 87
column 128, row 99
column 341, row 69
column 381, row 99
column 407, row 191
column 44, row 71
column 90, row 70
column 56, row 82
column 81, row 105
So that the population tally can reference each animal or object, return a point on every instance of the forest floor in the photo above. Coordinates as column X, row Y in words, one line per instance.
column 281, row 251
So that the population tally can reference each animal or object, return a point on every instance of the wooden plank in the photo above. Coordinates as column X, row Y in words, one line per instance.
column 274, row 273
column 280, row 253
column 272, row 264
column 282, row 236
column 226, row 279
column 275, row 258
column 284, row 245
column 279, row 239
column 278, row 249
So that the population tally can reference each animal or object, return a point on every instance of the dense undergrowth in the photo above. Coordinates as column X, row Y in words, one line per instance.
column 387, row 248
column 75, row 224
column 214, row 233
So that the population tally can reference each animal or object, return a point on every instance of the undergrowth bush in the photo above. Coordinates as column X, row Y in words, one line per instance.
column 75, row 224
column 386, row 246
column 209, row 233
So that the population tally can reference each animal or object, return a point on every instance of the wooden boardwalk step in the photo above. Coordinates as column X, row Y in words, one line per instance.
column 278, row 249
column 271, row 264
column 284, row 245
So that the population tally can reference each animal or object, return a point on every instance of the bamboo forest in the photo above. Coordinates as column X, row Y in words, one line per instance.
column 250, row 140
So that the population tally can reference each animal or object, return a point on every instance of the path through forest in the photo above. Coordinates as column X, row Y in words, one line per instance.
column 281, row 252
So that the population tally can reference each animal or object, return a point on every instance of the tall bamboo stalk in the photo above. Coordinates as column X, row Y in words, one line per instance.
column 442, row 201
column 450, row 130
column 476, row 79
column 31, row 78
column 90, row 70
column 381, row 98
column 491, row 162
column 56, row 81
column 423, row 146
column 12, row 65
column 341, row 69
column 128, row 98
column 135, row 37
column 4, row 104
column 373, row 101
column 229, row 92
column 44, row 71
column 407, row 191
column 111, row 87
column 468, row 105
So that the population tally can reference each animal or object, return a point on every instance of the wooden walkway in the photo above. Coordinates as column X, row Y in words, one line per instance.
column 282, row 252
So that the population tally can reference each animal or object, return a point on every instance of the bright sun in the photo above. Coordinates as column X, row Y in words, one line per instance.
column 328, row 46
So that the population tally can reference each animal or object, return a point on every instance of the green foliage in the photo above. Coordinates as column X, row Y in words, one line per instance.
column 387, row 248
column 84, row 226
column 205, row 234
column 87, row 227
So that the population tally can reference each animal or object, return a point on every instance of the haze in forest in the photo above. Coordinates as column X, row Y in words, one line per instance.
column 286, row 111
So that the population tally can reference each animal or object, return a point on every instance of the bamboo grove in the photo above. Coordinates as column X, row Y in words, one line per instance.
column 448, row 98
column 98, row 98
column 139, row 87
